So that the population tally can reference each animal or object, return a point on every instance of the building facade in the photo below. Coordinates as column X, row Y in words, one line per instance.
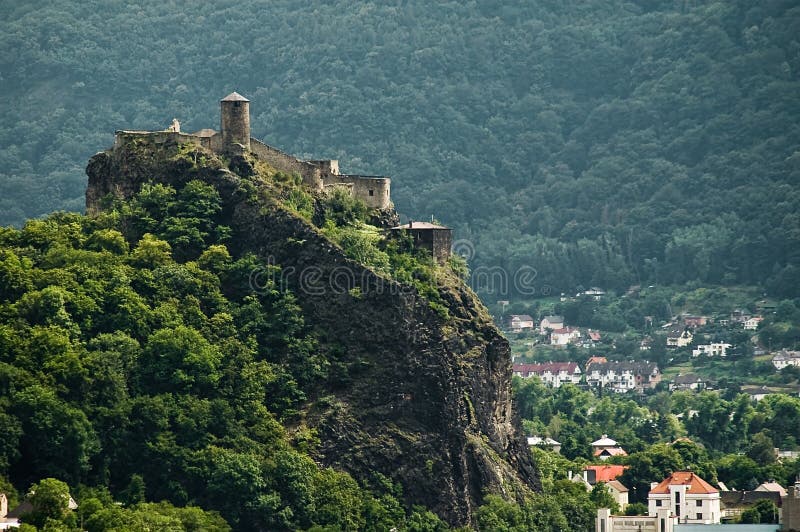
column 689, row 498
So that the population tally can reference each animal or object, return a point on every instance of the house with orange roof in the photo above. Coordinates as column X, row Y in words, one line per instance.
column 689, row 498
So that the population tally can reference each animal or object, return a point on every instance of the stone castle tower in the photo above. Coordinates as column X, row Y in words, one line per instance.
column 235, row 121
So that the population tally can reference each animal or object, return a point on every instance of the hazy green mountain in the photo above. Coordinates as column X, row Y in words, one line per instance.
column 599, row 143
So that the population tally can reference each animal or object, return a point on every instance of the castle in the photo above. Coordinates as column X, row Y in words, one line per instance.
column 234, row 138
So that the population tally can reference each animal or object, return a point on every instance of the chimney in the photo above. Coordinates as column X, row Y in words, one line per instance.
column 569, row 475
column 410, row 224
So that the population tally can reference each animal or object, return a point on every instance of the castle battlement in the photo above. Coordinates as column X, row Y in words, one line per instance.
column 234, row 138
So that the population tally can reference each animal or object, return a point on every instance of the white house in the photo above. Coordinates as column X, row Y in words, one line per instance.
column 564, row 336
column 552, row 374
column 678, row 338
column 549, row 443
column 620, row 377
column 786, row 358
column 689, row 498
column 712, row 350
column 751, row 324
column 520, row 322
column 551, row 323
column 618, row 492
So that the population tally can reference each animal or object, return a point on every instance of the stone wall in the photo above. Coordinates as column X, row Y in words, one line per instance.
column 791, row 509
column 156, row 137
column 286, row 163
column 662, row 522
column 375, row 191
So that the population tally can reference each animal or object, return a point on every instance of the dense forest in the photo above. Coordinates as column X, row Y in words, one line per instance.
column 137, row 362
column 597, row 143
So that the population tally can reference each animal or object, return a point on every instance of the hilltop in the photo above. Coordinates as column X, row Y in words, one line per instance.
column 225, row 335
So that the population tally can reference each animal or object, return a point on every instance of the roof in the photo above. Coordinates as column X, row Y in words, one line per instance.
column 689, row 378
column 420, row 225
column 234, row 97
column 537, row 440
column 596, row 360
column 684, row 478
column 553, row 367
column 565, row 330
column 611, row 451
column 730, row 499
column 606, row 473
column 605, row 441
column 617, row 485
column 772, row 487
column 635, row 366
column 521, row 317
column 594, row 335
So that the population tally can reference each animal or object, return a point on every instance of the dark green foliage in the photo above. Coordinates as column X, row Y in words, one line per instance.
column 124, row 365
column 763, row 511
column 598, row 142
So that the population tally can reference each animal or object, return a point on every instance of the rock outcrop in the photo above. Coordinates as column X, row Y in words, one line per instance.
column 419, row 395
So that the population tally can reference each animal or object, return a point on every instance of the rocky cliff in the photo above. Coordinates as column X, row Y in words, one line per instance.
column 417, row 394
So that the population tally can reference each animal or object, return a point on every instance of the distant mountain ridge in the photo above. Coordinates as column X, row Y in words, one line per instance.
column 602, row 144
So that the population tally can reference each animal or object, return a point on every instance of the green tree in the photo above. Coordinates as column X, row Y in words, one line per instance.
column 50, row 500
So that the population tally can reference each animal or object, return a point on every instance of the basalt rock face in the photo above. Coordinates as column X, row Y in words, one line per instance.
column 419, row 396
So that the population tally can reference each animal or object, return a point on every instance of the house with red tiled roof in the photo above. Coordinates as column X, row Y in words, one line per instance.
column 553, row 374
column 603, row 473
column 688, row 497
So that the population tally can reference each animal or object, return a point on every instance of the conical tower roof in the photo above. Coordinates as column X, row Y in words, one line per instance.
column 234, row 97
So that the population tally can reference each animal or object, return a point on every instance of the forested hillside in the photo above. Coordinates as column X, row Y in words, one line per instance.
column 600, row 143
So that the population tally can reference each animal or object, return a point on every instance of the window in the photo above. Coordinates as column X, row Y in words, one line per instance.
column 658, row 502
column 371, row 192
column 678, row 510
column 677, row 497
column 699, row 517
column 698, row 503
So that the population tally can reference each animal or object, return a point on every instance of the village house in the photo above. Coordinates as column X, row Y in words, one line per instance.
column 620, row 376
column 595, row 293
column 605, row 448
column 547, row 443
column 552, row 374
column 564, row 336
column 550, row 323
column 694, row 322
column 712, row 350
column 772, row 487
column 690, row 381
column 751, row 324
column 579, row 479
column 757, row 393
column 733, row 503
column 603, row 473
column 619, row 493
column 679, row 338
column 786, row 358
column 520, row 322
column 688, row 497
